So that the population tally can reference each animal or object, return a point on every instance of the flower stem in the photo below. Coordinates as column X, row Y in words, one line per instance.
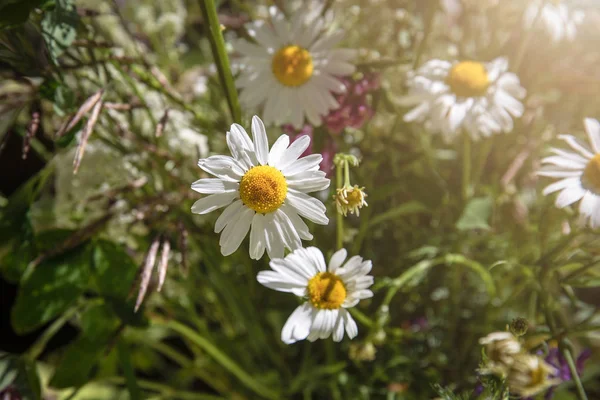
column 574, row 375
column 339, row 217
column 466, row 172
column 217, row 44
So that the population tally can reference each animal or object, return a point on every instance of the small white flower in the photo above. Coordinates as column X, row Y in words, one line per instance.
column 329, row 292
column 579, row 173
column 480, row 98
column 265, row 192
column 557, row 19
column 291, row 70
column 500, row 348
column 529, row 375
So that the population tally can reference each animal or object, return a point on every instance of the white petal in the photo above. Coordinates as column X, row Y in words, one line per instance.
column 351, row 328
column 213, row 185
column 276, row 281
column 261, row 143
column 278, row 149
column 298, row 223
column 307, row 206
column 228, row 215
column 564, row 162
column 569, row 196
column 275, row 246
column 297, row 325
column 317, row 258
column 588, row 204
column 257, row 237
column 592, row 127
column 213, row 202
column 294, row 151
column 240, row 230
column 571, row 141
column 338, row 330
column 337, row 260
column 289, row 234
column 308, row 163
column 562, row 184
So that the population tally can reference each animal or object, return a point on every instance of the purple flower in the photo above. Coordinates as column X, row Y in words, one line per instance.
column 328, row 151
column 354, row 109
column 556, row 359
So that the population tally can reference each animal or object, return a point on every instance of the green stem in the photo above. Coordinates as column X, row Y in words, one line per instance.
column 130, row 380
column 220, row 357
column 346, row 174
column 339, row 217
column 574, row 375
column 217, row 44
column 466, row 172
column 38, row 347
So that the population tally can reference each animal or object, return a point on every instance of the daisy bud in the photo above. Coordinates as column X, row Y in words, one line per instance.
column 519, row 326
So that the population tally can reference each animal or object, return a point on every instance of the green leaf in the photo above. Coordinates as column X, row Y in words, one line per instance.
column 476, row 214
column 59, row 27
column 114, row 272
column 98, row 327
column 50, row 289
column 410, row 208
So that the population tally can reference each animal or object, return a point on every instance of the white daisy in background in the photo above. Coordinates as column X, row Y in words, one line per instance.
column 579, row 173
column 265, row 192
column 556, row 18
column 480, row 98
column 291, row 70
column 529, row 375
column 329, row 292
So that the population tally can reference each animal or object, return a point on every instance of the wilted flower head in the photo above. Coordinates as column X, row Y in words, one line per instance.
column 529, row 375
column 350, row 200
column 500, row 349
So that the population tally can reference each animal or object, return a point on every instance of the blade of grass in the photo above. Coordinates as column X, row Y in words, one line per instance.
column 217, row 44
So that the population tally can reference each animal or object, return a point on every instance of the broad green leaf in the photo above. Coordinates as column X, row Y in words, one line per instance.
column 98, row 327
column 476, row 214
column 50, row 289
column 114, row 273
column 59, row 27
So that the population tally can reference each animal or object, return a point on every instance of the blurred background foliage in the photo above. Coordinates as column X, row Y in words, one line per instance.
column 129, row 94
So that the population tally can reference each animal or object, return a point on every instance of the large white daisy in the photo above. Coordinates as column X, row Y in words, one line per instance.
column 329, row 292
column 556, row 18
column 480, row 98
column 291, row 68
column 265, row 192
column 579, row 173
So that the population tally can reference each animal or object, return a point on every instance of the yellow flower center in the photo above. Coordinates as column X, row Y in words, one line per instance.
column 263, row 189
column 468, row 79
column 354, row 198
column 591, row 175
column 326, row 291
column 292, row 65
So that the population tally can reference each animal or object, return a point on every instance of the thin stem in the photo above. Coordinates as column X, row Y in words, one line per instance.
column 466, row 172
column 217, row 44
column 339, row 216
column 346, row 174
column 220, row 357
column 574, row 375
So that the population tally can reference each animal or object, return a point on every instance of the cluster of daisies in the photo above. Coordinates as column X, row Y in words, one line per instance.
column 292, row 72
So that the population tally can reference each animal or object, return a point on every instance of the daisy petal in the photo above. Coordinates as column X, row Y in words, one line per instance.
column 213, row 202
column 261, row 143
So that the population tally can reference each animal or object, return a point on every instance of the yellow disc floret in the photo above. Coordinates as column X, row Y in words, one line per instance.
column 468, row 79
column 292, row 65
column 591, row 175
column 263, row 189
column 326, row 291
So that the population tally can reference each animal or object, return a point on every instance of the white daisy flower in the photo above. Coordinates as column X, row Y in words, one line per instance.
column 556, row 18
column 329, row 292
column 265, row 192
column 480, row 98
column 291, row 70
column 579, row 173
